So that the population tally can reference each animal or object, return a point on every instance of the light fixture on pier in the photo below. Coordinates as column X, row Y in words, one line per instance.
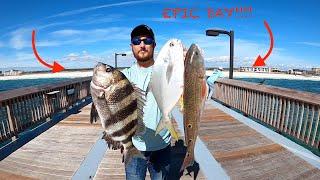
column 115, row 58
column 216, row 32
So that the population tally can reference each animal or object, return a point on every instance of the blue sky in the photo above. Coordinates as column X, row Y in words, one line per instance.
column 79, row 33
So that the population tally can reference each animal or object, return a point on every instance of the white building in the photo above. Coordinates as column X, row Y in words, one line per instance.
column 295, row 71
column 256, row 69
column 316, row 71
column 12, row 72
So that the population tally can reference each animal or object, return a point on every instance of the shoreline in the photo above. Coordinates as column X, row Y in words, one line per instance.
column 87, row 73
column 267, row 76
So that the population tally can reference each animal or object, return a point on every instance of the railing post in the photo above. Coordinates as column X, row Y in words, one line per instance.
column 12, row 122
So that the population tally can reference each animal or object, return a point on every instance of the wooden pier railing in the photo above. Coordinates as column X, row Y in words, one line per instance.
column 22, row 108
column 290, row 112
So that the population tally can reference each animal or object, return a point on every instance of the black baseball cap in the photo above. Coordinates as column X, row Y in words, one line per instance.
column 142, row 30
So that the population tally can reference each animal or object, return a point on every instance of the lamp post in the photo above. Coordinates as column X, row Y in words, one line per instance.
column 215, row 32
column 115, row 58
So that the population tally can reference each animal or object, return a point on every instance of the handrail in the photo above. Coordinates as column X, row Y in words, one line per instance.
column 21, row 108
column 290, row 112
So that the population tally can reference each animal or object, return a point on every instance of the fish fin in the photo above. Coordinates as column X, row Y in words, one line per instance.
column 130, row 153
column 141, row 99
column 94, row 116
column 166, row 123
column 188, row 161
column 205, row 89
column 169, row 72
column 111, row 143
column 141, row 127
column 180, row 103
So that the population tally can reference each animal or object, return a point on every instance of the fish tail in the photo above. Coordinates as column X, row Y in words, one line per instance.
column 166, row 123
column 188, row 161
column 180, row 102
column 130, row 153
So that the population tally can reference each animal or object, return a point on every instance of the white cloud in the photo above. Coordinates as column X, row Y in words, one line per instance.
column 19, row 59
column 47, row 43
column 83, row 10
column 156, row 19
column 76, row 37
column 314, row 44
column 245, row 52
column 19, row 38
column 21, row 56
column 67, row 32
column 100, row 19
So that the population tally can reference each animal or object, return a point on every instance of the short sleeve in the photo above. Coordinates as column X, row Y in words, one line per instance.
column 126, row 72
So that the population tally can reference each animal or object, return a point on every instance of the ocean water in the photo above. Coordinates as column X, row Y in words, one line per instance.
column 15, row 84
column 300, row 85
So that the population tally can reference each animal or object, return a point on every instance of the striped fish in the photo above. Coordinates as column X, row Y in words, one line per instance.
column 116, row 103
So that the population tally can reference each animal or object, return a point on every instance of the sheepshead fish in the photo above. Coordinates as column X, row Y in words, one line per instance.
column 194, row 95
column 166, row 81
column 116, row 103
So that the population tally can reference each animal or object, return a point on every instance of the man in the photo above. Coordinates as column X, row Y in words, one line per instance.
column 217, row 73
column 156, row 149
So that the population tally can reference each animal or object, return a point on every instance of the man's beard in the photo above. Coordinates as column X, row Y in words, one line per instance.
column 144, row 58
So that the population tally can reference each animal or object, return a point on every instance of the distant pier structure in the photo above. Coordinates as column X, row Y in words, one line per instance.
column 247, row 131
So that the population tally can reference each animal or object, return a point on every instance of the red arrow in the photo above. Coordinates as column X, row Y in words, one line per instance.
column 260, row 61
column 56, row 67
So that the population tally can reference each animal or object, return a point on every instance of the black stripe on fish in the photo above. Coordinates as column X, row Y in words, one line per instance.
column 119, row 94
column 126, row 129
column 122, row 114
column 128, row 139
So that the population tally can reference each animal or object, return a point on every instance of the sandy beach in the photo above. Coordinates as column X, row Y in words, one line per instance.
column 76, row 74
column 66, row 74
column 267, row 76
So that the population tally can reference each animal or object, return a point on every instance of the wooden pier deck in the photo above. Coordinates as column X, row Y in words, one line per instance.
column 242, row 152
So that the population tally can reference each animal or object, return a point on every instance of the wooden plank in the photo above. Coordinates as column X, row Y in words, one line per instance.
column 300, row 122
column 293, row 109
column 310, row 124
column 283, row 115
column 316, row 132
column 243, row 153
column 6, row 175
column 55, row 154
column 279, row 113
column 305, row 124
column 293, row 130
column 287, row 116
column 11, row 118
column 272, row 111
column 269, row 109
column 250, row 155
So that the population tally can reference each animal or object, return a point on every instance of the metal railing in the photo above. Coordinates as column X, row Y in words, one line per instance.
column 290, row 112
column 24, row 107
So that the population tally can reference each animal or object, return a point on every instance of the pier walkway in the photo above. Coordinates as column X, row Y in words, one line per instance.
column 230, row 148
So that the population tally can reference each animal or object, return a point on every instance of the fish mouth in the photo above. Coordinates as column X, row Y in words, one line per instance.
column 98, row 86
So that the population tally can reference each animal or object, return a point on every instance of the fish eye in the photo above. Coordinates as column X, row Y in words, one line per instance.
column 171, row 44
column 108, row 70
